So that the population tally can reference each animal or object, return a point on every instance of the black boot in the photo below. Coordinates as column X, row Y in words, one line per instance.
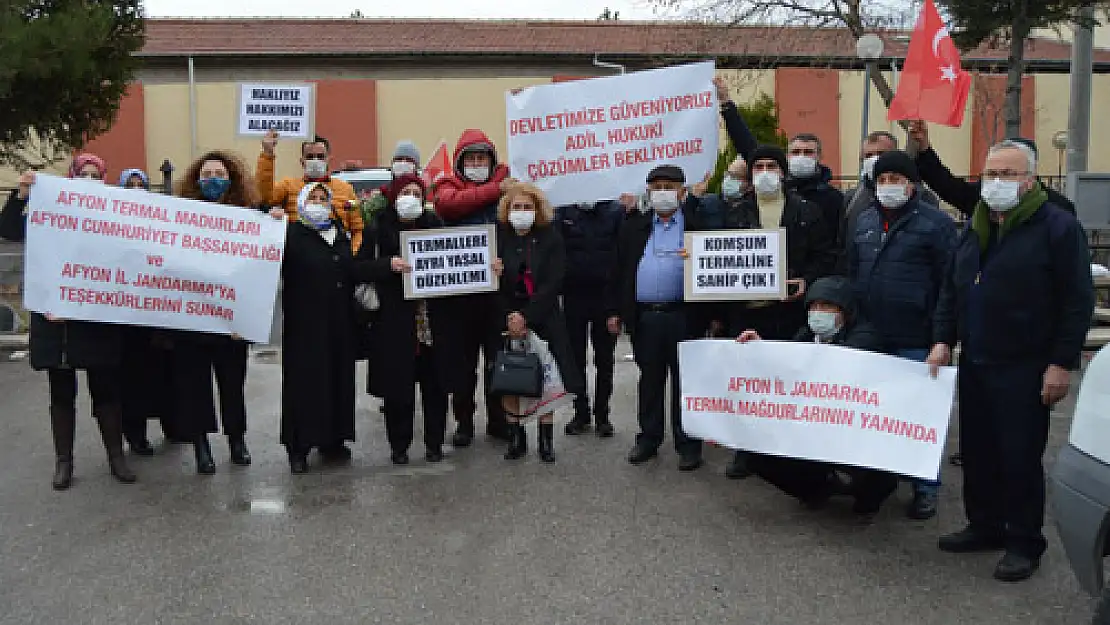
column 63, row 422
column 298, row 461
column 547, row 442
column 464, row 433
column 240, row 455
column 518, row 442
column 205, row 464
column 110, row 420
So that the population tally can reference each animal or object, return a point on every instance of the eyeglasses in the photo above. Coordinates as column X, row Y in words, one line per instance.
column 316, row 157
column 90, row 176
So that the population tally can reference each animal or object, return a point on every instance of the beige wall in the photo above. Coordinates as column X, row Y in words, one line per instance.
column 428, row 111
column 953, row 144
column 744, row 87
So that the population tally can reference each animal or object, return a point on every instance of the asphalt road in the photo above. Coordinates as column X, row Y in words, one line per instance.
column 475, row 539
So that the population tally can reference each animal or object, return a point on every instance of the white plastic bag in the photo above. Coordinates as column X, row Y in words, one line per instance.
column 554, row 395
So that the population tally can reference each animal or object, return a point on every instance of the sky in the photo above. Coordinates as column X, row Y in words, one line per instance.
column 518, row 9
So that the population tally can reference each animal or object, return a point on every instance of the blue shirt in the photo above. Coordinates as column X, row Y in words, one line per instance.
column 659, row 276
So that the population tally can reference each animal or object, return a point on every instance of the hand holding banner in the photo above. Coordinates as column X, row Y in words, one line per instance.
column 818, row 402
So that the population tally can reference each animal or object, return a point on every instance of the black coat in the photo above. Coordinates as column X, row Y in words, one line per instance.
column 1029, row 299
column 543, row 252
column 590, row 237
column 817, row 190
column 318, row 346
column 392, row 340
column 810, row 246
column 964, row 195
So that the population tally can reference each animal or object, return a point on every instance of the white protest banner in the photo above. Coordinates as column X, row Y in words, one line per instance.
column 595, row 139
column 101, row 253
column 289, row 109
column 449, row 261
column 725, row 265
column 818, row 402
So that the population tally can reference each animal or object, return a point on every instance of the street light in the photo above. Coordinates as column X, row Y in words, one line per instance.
column 1060, row 142
column 869, row 48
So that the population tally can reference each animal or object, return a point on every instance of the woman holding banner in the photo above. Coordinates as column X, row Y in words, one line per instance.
column 533, row 263
column 405, row 332
column 62, row 347
column 221, row 178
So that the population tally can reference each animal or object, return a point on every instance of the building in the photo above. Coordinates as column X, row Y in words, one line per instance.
column 379, row 81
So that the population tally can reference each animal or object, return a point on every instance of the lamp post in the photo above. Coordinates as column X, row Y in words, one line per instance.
column 1060, row 142
column 868, row 48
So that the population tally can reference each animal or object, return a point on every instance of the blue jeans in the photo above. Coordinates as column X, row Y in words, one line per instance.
column 920, row 487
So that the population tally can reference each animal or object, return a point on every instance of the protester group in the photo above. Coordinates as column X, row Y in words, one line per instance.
column 880, row 268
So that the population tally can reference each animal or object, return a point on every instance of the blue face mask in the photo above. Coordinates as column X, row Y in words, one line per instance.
column 214, row 188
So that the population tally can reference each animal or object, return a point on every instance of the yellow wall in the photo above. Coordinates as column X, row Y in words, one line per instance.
column 428, row 111
column 953, row 144
column 744, row 87
column 167, row 128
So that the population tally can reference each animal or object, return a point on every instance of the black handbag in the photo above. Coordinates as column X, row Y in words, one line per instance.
column 516, row 373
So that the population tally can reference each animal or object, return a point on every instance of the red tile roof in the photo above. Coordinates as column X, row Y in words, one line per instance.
column 385, row 37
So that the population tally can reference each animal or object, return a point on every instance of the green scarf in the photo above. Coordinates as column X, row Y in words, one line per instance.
column 981, row 218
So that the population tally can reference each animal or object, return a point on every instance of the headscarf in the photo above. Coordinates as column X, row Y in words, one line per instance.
column 126, row 176
column 87, row 158
column 394, row 188
column 302, row 197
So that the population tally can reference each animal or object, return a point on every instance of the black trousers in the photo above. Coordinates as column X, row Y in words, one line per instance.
column 655, row 347
column 103, row 383
column 148, row 388
column 586, row 322
column 1003, row 432
column 194, row 362
column 475, row 338
column 400, row 408
column 806, row 479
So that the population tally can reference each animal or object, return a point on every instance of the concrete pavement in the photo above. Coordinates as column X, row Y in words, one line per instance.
column 473, row 540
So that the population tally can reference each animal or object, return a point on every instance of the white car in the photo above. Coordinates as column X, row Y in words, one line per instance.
column 1081, row 484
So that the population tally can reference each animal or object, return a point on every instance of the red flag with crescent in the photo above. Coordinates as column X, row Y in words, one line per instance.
column 932, row 86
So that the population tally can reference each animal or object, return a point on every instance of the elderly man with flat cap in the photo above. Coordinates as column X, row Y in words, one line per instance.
column 647, row 297
column 896, row 258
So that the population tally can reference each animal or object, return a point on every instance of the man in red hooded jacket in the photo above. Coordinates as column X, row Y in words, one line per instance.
column 469, row 196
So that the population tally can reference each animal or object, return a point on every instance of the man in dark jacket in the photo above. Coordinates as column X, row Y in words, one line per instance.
column 1018, row 296
column 961, row 194
column 647, row 297
column 831, row 319
column 590, row 232
column 810, row 253
column 863, row 196
column 810, row 178
column 895, row 259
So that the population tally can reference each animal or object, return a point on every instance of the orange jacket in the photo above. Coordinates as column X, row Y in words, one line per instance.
column 284, row 194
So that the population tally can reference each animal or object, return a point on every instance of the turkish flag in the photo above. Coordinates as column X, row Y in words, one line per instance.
column 439, row 165
column 932, row 86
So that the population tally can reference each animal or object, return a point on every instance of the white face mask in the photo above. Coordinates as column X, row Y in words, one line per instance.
column 400, row 168
column 317, row 214
column 664, row 201
column 409, row 207
column 802, row 166
column 1001, row 195
column 823, row 323
column 476, row 174
column 867, row 170
column 315, row 168
column 731, row 187
column 766, row 182
column 522, row 220
column 891, row 195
